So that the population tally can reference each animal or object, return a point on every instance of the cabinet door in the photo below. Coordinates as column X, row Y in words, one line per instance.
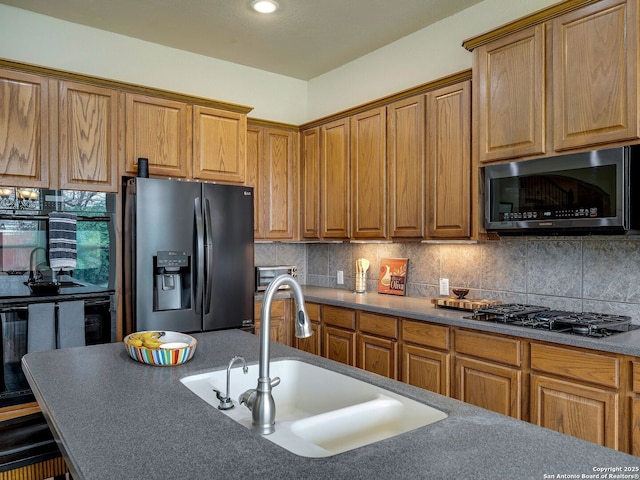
column 254, row 177
column 426, row 368
column 405, row 158
column 510, row 95
column 368, row 174
column 449, row 161
column 488, row 385
column 310, row 163
column 585, row 412
column 312, row 344
column 279, row 330
column 339, row 345
column 219, row 145
column 24, row 130
column 334, row 179
column 595, row 75
column 279, row 176
column 378, row 355
column 160, row 130
column 87, row 129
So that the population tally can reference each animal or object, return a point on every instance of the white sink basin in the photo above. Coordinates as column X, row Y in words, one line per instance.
column 319, row 412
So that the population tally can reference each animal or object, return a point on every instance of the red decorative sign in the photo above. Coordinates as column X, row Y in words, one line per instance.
column 393, row 276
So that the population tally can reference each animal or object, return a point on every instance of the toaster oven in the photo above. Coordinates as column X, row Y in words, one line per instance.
column 266, row 274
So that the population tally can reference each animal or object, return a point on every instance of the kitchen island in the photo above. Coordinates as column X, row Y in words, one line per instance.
column 116, row 418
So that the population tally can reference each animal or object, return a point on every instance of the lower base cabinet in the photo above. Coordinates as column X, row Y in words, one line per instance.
column 312, row 344
column 339, row 344
column 584, row 412
column 279, row 321
column 378, row 355
column 426, row 368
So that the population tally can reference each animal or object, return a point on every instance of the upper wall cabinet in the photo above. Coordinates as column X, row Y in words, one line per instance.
column 567, row 83
column 160, row 130
column 272, row 170
column 595, row 75
column 219, row 145
column 405, row 160
column 87, row 137
column 310, row 188
column 334, row 179
column 449, row 161
column 24, row 129
column 368, row 174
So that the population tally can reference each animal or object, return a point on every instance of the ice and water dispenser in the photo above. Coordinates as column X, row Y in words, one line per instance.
column 171, row 280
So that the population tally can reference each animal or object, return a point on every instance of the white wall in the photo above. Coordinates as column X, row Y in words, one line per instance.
column 426, row 55
column 431, row 53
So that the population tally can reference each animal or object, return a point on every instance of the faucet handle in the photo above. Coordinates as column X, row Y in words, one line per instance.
column 275, row 382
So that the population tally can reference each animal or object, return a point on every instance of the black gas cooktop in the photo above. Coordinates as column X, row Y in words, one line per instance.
column 586, row 324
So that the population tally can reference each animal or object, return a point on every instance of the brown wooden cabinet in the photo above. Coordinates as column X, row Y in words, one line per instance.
column 570, row 82
column 310, row 179
column 426, row 358
column 634, row 428
column 576, row 393
column 280, row 329
column 24, row 129
column 312, row 344
column 87, row 137
column 449, row 161
column 339, row 334
column 219, row 145
column 368, row 174
column 335, row 179
column 378, row 344
column 160, row 130
column 406, row 167
column 487, row 372
column 595, row 75
column 272, row 171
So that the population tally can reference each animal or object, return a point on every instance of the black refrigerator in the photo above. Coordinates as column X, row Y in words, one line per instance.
column 188, row 255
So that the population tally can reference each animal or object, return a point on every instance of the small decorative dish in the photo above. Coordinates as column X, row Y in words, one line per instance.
column 460, row 292
column 164, row 349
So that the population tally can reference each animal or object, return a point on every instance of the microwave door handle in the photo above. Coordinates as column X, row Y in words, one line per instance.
column 208, row 279
column 199, row 260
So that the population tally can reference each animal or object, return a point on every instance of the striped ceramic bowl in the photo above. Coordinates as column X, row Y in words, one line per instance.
column 176, row 348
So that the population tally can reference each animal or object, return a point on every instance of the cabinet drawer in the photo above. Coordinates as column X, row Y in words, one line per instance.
column 277, row 309
column 378, row 324
column 313, row 310
column 588, row 367
column 489, row 347
column 339, row 317
column 425, row 334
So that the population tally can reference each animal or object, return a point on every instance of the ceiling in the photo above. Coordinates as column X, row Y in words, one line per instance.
column 303, row 39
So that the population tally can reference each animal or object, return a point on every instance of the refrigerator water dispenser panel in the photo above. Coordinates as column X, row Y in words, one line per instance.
column 171, row 286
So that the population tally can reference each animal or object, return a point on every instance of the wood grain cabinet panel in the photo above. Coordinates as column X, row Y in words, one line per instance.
column 595, row 77
column 368, row 174
column 378, row 355
column 255, row 140
column 426, row 368
column 580, row 411
column 449, row 161
column 160, row 130
column 405, row 160
column 334, row 179
column 312, row 344
column 310, row 188
column 489, row 347
column 339, row 344
column 87, row 132
column 279, row 328
column 24, row 130
column 489, row 385
column 635, row 410
column 219, row 145
column 509, row 85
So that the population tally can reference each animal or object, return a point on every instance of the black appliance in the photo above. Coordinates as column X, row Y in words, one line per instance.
column 188, row 255
column 586, row 324
column 579, row 193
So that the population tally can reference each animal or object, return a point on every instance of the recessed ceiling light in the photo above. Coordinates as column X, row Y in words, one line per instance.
column 264, row 6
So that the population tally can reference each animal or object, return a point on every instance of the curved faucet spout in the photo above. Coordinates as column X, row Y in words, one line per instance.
column 262, row 405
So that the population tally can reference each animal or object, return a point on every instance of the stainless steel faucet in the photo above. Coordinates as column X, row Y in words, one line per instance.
column 260, row 400
column 225, row 400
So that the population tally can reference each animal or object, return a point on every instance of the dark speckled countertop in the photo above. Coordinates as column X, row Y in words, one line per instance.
column 115, row 418
column 416, row 308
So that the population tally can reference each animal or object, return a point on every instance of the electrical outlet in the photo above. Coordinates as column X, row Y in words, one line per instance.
column 340, row 278
column 444, row 286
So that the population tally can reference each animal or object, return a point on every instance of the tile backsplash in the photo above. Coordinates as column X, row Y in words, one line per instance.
column 597, row 274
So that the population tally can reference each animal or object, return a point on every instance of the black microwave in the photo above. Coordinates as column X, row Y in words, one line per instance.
column 579, row 193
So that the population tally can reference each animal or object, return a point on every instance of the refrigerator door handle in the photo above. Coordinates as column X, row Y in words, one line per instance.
column 208, row 283
column 200, row 258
